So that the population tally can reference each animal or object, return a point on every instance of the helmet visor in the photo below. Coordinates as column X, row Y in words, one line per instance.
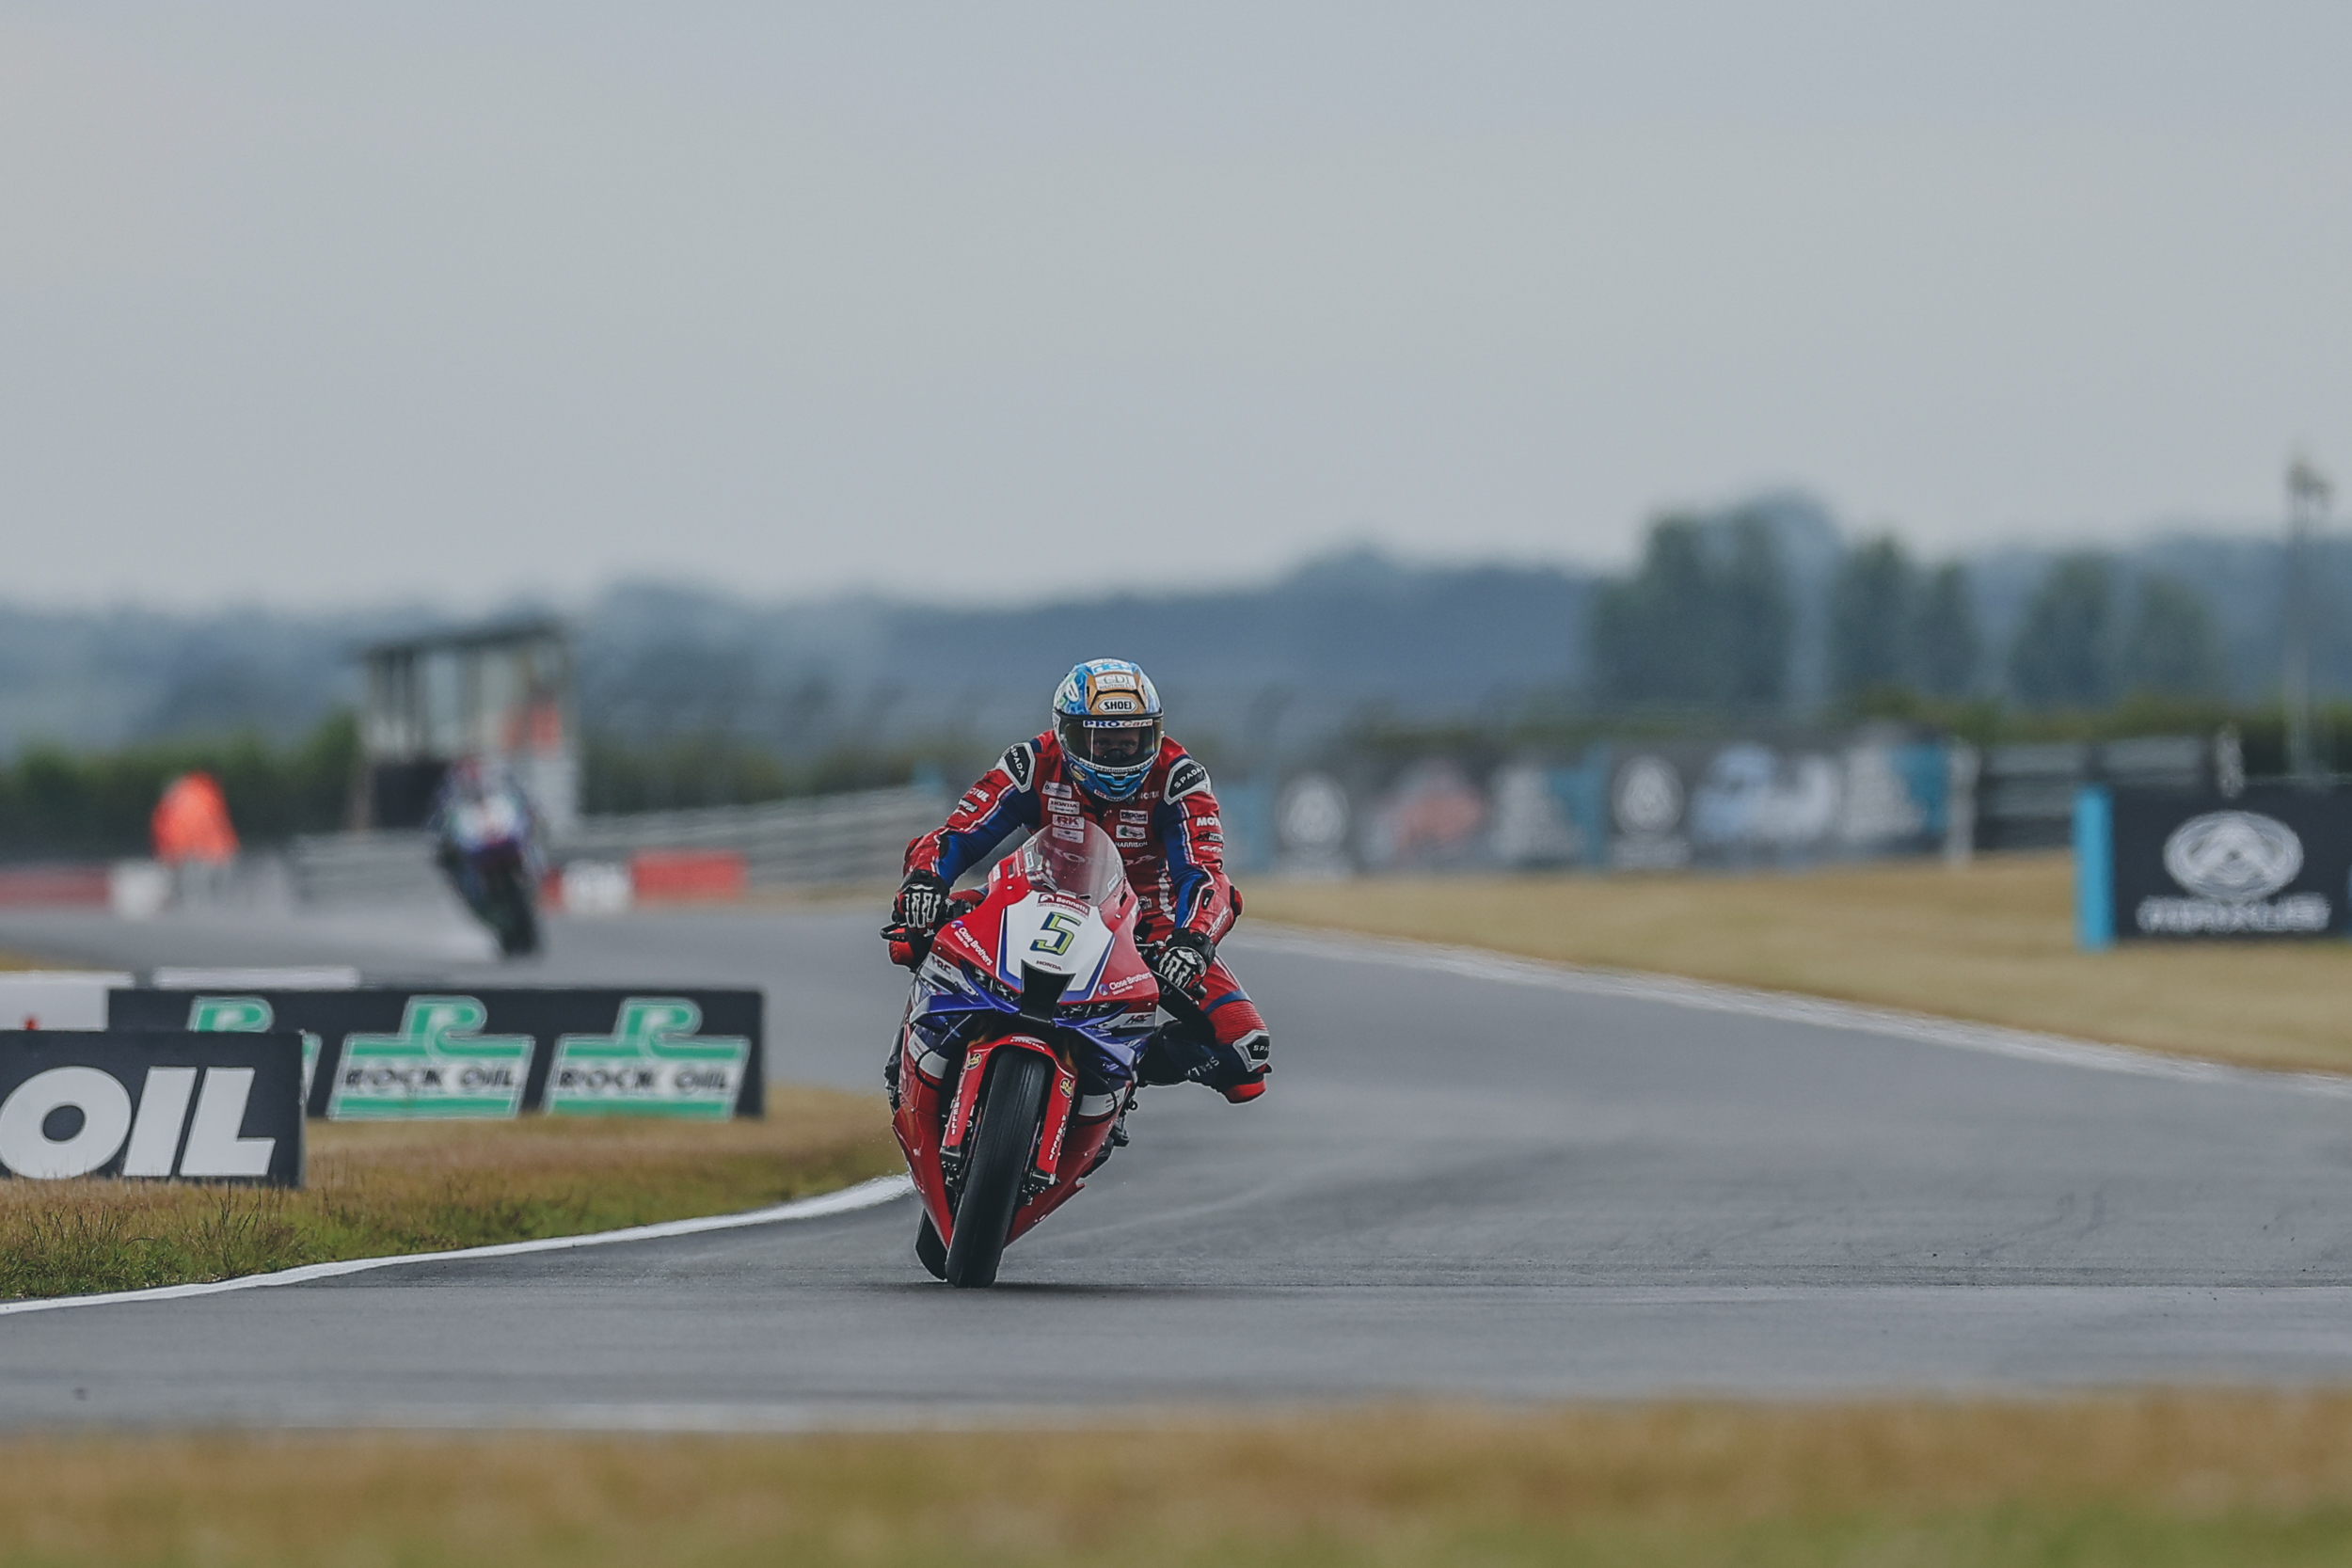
column 1110, row 745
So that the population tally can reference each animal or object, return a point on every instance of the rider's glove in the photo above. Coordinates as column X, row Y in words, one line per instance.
column 922, row 902
column 1180, row 964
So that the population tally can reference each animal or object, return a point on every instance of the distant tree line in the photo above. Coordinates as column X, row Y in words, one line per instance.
column 56, row 804
column 1705, row 625
column 1705, row 621
column 62, row 806
column 1892, row 624
column 715, row 767
column 2086, row 644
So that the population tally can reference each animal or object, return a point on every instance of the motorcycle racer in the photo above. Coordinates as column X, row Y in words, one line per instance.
column 1108, row 758
column 489, row 840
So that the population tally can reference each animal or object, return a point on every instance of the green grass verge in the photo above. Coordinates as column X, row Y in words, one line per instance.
column 383, row 1188
column 2160, row 1480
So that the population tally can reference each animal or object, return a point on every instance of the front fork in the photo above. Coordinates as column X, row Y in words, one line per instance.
column 938, row 1102
column 1060, row 1095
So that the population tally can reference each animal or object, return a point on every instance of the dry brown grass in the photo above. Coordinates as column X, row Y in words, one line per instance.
column 424, row 1186
column 1993, row 941
column 2210, row 1478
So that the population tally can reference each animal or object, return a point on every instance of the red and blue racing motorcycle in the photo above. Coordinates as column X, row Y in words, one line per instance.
column 1021, row 1048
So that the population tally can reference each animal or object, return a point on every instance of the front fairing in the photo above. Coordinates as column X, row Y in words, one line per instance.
column 980, row 963
column 955, row 1003
column 486, row 823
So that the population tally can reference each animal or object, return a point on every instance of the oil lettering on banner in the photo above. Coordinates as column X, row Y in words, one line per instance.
column 148, row 1104
column 251, row 1015
column 652, row 1063
column 439, row 1065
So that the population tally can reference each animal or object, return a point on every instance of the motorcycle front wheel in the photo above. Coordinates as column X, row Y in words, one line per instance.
column 1002, row 1146
column 513, row 919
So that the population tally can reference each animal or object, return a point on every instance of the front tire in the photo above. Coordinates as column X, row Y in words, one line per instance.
column 1002, row 1148
column 513, row 918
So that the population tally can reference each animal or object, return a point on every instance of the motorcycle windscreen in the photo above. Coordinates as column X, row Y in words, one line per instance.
column 1074, row 858
column 485, row 819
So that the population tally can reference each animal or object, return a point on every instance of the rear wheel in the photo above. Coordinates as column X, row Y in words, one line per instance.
column 1002, row 1146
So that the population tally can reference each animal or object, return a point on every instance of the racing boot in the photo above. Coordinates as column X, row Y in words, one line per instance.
column 1236, row 1069
column 1240, row 1068
column 1246, row 1090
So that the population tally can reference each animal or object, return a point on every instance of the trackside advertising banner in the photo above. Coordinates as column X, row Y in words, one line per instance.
column 384, row 1052
column 2163, row 864
column 151, row 1103
column 1629, row 806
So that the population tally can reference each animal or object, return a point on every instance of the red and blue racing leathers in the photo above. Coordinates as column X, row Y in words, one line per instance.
column 1168, row 834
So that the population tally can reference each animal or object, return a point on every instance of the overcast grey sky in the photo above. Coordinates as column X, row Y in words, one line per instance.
column 322, row 304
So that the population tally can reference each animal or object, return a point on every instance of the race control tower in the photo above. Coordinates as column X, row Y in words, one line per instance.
column 500, row 691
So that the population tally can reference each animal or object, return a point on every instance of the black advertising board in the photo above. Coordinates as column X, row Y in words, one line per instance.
column 151, row 1103
column 399, row 1052
column 2274, row 862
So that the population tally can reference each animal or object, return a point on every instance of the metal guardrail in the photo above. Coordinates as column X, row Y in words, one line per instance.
column 386, row 865
column 827, row 839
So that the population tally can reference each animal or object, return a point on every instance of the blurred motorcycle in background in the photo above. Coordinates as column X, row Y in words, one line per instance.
column 489, row 844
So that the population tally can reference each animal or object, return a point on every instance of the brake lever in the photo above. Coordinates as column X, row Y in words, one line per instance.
column 914, row 939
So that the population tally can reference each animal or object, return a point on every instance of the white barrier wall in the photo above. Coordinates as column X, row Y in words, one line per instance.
column 57, row 998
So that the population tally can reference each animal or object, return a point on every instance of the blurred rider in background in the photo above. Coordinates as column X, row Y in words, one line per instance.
column 1108, row 758
column 487, row 838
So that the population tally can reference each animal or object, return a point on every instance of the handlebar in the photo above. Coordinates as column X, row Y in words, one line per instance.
column 911, row 945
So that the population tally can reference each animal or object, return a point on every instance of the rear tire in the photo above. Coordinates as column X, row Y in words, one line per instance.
column 1011, row 1109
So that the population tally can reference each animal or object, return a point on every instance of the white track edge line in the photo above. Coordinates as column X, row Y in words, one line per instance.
column 866, row 1195
column 1713, row 996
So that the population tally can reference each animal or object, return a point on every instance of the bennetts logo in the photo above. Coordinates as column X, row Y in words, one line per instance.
column 2236, row 856
column 2232, row 862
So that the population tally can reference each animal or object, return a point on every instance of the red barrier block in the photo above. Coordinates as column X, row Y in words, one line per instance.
column 687, row 876
column 52, row 884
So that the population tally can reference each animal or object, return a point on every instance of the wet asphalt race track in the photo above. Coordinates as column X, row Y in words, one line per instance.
column 1474, row 1184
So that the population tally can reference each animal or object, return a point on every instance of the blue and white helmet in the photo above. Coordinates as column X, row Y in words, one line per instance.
column 1106, row 715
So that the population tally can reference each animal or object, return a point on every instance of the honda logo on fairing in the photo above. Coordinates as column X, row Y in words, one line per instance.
column 2234, row 856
